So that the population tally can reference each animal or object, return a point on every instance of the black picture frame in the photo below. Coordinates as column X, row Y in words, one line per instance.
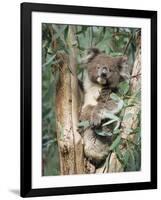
column 26, row 103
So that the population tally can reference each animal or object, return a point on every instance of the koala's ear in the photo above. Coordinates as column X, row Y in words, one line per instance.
column 91, row 53
column 122, row 59
column 124, row 67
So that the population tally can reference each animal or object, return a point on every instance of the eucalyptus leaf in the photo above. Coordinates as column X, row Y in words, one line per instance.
column 66, row 32
column 111, row 116
column 117, row 125
column 116, row 131
column 123, row 87
column 115, row 97
column 115, row 143
column 49, row 60
column 137, row 129
column 109, row 122
column 60, row 31
column 118, row 153
column 126, row 157
column 102, row 133
column 131, row 166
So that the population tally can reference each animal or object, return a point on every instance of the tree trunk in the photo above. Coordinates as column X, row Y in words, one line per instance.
column 67, row 106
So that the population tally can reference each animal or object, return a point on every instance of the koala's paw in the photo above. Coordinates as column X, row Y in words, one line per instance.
column 95, row 120
column 90, row 168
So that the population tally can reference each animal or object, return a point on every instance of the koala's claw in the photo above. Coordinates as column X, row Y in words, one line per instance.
column 95, row 121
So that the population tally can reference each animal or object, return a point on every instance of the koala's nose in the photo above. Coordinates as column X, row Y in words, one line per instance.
column 103, row 75
column 104, row 72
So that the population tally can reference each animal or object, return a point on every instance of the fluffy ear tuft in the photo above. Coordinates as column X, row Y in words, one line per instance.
column 91, row 53
column 122, row 59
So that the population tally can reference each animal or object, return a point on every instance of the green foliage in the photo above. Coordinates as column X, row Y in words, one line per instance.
column 50, row 149
column 123, row 87
column 114, row 41
column 115, row 143
column 103, row 133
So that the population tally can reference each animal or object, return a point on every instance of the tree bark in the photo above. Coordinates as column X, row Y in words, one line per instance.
column 67, row 107
column 135, row 86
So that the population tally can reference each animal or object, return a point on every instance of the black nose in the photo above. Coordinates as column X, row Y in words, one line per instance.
column 103, row 75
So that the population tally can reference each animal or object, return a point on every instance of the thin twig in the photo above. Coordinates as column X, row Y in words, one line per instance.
column 127, row 45
column 108, row 162
column 135, row 76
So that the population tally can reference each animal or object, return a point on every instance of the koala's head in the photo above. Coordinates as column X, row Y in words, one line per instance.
column 104, row 69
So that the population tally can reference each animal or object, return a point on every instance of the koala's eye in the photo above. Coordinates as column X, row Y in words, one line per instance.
column 98, row 67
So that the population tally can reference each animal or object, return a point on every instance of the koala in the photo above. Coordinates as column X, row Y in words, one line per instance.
column 102, row 75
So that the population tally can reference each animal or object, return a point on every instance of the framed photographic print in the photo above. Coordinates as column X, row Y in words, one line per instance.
column 88, row 99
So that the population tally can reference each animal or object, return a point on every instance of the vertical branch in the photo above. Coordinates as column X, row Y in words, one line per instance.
column 135, row 86
column 72, row 43
column 67, row 107
column 64, row 119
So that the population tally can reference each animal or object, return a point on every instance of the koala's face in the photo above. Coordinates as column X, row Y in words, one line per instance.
column 103, row 73
column 103, row 69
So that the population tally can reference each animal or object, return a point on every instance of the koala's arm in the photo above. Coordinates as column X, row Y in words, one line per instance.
column 100, row 111
column 86, row 113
